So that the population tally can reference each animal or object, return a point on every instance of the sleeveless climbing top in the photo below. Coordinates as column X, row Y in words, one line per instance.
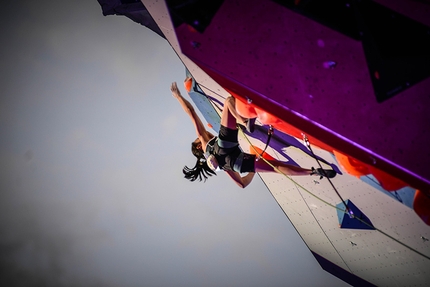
column 228, row 155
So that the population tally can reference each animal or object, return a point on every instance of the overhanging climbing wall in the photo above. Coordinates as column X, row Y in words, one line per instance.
column 324, row 81
column 395, row 252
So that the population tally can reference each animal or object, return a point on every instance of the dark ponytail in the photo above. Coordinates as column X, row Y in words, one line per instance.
column 199, row 171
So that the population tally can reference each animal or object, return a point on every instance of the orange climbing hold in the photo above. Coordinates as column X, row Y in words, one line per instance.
column 188, row 83
column 357, row 168
column 387, row 182
column 422, row 206
column 351, row 165
column 244, row 109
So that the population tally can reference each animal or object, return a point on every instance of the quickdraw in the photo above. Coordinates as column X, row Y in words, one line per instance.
column 270, row 132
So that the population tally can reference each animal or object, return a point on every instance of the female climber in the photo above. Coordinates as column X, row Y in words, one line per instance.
column 222, row 152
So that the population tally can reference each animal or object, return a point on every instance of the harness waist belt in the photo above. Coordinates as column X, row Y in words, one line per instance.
column 226, row 144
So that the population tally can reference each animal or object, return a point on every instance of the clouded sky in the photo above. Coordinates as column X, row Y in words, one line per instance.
column 92, row 146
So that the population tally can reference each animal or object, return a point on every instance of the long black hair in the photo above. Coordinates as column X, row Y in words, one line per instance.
column 201, row 169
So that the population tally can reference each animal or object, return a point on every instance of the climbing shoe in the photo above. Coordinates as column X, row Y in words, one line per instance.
column 329, row 173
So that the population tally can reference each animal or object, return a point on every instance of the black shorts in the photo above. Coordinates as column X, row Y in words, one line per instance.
column 242, row 162
column 227, row 134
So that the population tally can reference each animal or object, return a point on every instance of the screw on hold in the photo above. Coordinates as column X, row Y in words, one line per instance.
column 353, row 244
column 195, row 44
column 330, row 64
column 306, row 140
column 424, row 238
column 350, row 213
column 248, row 100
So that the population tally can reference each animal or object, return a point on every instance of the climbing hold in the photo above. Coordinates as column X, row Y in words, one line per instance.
column 329, row 64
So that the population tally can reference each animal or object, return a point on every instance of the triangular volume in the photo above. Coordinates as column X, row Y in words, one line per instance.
column 358, row 220
column 397, row 49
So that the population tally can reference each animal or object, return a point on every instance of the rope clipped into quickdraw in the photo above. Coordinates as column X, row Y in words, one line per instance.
column 270, row 132
column 308, row 145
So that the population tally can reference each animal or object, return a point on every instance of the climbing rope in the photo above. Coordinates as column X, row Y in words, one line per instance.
column 349, row 211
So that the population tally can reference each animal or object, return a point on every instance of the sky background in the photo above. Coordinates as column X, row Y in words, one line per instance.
column 92, row 145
